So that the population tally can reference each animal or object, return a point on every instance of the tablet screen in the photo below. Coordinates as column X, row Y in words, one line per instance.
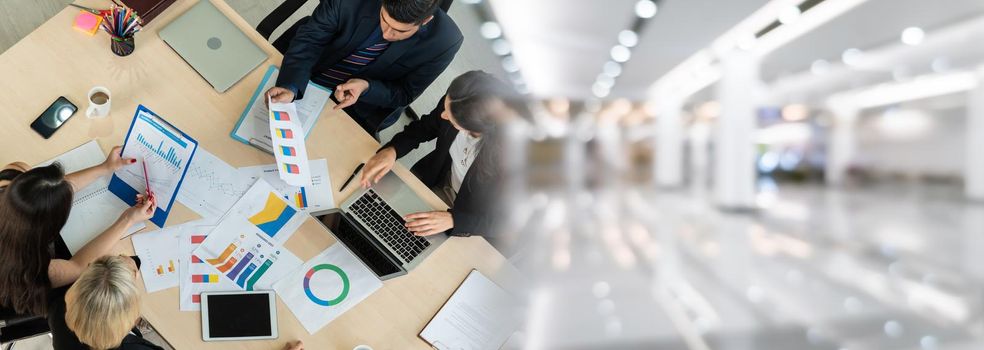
column 239, row 315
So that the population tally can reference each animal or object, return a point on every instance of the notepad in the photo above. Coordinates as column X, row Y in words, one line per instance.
column 87, row 22
column 479, row 315
column 94, row 208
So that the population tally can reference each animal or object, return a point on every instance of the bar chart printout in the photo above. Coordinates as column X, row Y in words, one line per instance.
column 269, row 211
column 165, row 152
column 242, row 253
column 318, row 196
column 196, row 276
column 159, row 254
column 291, row 154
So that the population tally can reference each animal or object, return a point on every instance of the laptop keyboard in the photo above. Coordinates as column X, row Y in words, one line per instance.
column 388, row 225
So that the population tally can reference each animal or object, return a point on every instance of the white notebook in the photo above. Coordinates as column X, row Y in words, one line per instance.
column 94, row 208
column 479, row 315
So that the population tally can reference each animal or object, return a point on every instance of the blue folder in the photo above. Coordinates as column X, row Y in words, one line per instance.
column 128, row 194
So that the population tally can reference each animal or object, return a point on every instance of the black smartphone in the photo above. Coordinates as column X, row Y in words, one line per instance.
column 54, row 117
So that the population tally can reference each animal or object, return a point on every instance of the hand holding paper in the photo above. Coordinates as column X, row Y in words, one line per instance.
column 288, row 144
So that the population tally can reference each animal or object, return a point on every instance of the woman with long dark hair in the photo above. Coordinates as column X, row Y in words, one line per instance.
column 464, row 168
column 34, row 206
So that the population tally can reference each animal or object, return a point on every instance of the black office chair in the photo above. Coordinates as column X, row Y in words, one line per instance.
column 14, row 327
column 280, row 14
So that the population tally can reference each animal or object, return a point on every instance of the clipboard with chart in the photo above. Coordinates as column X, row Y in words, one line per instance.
column 253, row 127
column 165, row 151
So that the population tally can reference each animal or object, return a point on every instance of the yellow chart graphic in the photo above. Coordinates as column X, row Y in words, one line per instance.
column 275, row 214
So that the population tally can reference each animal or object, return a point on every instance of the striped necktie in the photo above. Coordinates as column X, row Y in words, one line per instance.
column 351, row 65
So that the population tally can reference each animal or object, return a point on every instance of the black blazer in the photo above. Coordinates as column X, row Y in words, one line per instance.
column 475, row 207
column 403, row 72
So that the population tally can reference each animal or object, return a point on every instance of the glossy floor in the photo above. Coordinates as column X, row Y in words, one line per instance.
column 890, row 266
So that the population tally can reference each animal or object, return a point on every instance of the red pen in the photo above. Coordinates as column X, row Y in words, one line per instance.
column 150, row 193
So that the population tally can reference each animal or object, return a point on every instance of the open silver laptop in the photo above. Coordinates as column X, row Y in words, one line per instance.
column 370, row 224
column 213, row 45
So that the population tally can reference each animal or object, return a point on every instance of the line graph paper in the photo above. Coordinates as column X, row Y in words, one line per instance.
column 211, row 185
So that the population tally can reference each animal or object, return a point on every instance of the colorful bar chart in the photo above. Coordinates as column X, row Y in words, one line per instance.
column 281, row 116
column 242, row 278
column 288, row 151
column 292, row 168
column 225, row 255
column 239, row 267
column 170, row 156
column 162, row 269
column 275, row 214
column 259, row 273
column 205, row 278
column 196, row 240
column 301, row 198
column 228, row 265
column 285, row 133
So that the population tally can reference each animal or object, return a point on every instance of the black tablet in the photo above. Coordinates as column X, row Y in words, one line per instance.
column 239, row 315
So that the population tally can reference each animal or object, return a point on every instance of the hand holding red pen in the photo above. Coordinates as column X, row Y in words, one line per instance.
column 142, row 211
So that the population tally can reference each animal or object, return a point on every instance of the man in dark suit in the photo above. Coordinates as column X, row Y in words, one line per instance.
column 377, row 55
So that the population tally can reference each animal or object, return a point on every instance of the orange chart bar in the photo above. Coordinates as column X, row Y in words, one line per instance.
column 225, row 255
column 228, row 265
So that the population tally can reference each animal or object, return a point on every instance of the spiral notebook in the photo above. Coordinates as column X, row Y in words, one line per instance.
column 94, row 208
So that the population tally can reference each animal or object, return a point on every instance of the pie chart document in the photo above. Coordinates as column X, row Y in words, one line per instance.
column 326, row 286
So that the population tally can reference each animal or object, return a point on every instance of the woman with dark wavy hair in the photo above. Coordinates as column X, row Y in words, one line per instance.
column 465, row 167
column 34, row 206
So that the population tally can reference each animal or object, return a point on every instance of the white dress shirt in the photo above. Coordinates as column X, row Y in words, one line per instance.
column 463, row 151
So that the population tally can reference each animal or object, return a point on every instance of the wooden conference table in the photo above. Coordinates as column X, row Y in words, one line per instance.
column 57, row 60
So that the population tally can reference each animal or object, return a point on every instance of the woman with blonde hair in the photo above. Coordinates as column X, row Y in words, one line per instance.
column 100, row 310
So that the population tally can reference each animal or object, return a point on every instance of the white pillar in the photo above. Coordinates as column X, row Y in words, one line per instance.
column 974, row 164
column 700, row 155
column 734, row 149
column 669, row 144
column 841, row 143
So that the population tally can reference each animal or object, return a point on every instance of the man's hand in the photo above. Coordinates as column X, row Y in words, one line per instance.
column 348, row 94
column 378, row 166
column 279, row 95
column 429, row 223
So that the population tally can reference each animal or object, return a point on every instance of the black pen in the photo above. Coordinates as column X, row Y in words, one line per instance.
column 356, row 171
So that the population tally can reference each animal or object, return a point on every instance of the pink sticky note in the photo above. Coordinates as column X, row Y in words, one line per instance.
column 88, row 23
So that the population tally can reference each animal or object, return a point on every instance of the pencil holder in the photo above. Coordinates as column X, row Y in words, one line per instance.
column 122, row 46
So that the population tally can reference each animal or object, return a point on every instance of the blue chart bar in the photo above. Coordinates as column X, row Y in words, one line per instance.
column 170, row 156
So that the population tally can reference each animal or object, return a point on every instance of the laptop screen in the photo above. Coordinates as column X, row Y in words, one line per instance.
column 374, row 256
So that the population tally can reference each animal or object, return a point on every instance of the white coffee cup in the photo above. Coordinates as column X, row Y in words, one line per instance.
column 362, row 347
column 99, row 102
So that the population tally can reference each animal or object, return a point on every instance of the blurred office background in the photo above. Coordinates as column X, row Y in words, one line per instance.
column 748, row 174
column 731, row 174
